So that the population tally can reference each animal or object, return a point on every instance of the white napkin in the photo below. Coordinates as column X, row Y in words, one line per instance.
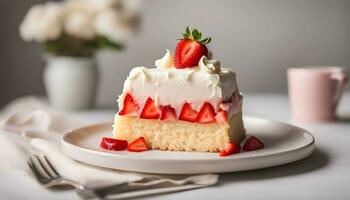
column 28, row 123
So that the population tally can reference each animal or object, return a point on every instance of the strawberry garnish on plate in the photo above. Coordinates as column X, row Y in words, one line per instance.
column 138, row 145
column 206, row 114
column 113, row 144
column 190, row 49
column 168, row 113
column 252, row 144
column 221, row 117
column 129, row 105
column 231, row 148
column 187, row 113
column 149, row 111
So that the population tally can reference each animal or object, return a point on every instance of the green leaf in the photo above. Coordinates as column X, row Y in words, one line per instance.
column 206, row 40
column 184, row 35
column 209, row 40
column 70, row 46
column 195, row 34
column 104, row 42
column 67, row 45
column 188, row 32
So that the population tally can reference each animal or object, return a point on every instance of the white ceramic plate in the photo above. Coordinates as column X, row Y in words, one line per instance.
column 284, row 143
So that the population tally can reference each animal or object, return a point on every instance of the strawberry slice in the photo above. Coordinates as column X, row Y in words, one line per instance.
column 190, row 49
column 221, row 117
column 149, row 111
column 138, row 145
column 206, row 114
column 252, row 144
column 113, row 144
column 231, row 148
column 168, row 113
column 187, row 113
column 129, row 105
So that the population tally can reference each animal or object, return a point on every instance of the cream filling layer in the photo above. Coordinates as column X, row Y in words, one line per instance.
column 171, row 86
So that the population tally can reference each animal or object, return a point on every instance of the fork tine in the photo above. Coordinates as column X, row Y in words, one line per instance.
column 51, row 166
column 47, row 175
column 37, row 174
column 43, row 167
column 39, row 168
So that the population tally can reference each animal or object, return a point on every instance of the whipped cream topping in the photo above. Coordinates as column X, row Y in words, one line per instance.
column 211, row 66
column 166, row 62
column 167, row 85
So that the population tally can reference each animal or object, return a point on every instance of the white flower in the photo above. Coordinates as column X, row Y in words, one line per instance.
column 80, row 25
column 79, row 18
column 116, row 26
column 42, row 22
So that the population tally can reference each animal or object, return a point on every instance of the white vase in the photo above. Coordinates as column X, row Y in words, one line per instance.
column 70, row 82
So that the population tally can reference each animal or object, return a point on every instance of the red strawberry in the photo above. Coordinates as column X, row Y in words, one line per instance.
column 221, row 117
column 187, row 113
column 113, row 144
column 149, row 111
column 138, row 145
column 206, row 114
column 190, row 49
column 168, row 113
column 252, row 144
column 129, row 105
column 231, row 148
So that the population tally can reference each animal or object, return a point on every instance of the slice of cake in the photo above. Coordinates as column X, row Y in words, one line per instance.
column 185, row 103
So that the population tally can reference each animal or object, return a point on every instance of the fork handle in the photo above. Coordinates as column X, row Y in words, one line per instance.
column 83, row 191
column 64, row 181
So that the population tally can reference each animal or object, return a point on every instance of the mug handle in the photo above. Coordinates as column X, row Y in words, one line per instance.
column 341, row 79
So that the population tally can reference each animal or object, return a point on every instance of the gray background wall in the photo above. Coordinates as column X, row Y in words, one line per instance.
column 260, row 39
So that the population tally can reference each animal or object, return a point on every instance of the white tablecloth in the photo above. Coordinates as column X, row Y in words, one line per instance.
column 324, row 175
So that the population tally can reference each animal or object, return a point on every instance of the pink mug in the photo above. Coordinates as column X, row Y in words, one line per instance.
column 314, row 92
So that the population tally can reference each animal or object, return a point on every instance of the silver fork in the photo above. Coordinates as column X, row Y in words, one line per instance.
column 48, row 176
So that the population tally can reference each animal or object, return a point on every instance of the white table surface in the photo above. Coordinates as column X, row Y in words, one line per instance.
column 323, row 175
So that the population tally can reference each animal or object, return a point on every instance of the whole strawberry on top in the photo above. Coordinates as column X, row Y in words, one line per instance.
column 190, row 49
